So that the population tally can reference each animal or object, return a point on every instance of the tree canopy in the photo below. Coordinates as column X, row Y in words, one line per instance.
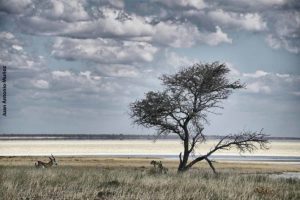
column 183, row 105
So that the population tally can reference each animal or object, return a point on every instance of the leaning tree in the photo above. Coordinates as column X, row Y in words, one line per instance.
column 182, row 106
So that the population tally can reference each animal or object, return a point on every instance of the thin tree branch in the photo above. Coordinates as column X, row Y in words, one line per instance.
column 210, row 164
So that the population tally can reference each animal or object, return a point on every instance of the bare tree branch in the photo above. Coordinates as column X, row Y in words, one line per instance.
column 210, row 164
column 244, row 142
column 182, row 107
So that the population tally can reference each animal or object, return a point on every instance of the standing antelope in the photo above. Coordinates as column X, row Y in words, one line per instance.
column 42, row 164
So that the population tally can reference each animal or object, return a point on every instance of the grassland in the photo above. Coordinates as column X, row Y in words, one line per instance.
column 128, row 178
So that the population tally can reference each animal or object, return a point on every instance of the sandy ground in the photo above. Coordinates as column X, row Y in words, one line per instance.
column 83, row 153
column 127, row 147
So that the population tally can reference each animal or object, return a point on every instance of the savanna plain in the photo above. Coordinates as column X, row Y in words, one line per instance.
column 94, row 177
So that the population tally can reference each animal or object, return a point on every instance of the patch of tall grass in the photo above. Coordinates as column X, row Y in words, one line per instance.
column 138, row 183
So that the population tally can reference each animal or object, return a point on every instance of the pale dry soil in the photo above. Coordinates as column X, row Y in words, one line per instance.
column 128, row 147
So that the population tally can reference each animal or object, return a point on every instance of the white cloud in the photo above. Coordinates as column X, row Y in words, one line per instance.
column 247, row 21
column 112, row 23
column 262, row 2
column 64, row 10
column 257, row 74
column 117, row 3
column 87, row 74
column 175, row 61
column 176, row 34
column 125, row 73
column 41, row 84
column 286, row 32
column 106, row 23
column 13, row 55
column 67, row 80
column 258, row 87
column 119, row 23
column 17, row 47
column 215, row 38
column 277, row 43
column 15, row 6
column 119, row 70
column 103, row 50
column 273, row 42
column 6, row 35
column 186, row 35
column 84, row 82
column 61, row 74
column 282, row 75
column 269, row 82
column 198, row 4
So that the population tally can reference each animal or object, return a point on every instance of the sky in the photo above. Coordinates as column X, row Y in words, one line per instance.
column 75, row 66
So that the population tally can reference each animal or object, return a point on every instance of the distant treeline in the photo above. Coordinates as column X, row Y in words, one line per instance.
column 104, row 137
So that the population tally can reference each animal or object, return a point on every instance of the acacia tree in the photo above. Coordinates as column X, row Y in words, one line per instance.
column 182, row 106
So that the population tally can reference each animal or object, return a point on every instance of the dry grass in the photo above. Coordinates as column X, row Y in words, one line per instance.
column 95, row 161
column 66, row 182
column 132, row 179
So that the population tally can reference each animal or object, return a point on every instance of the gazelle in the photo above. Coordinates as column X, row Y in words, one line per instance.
column 41, row 164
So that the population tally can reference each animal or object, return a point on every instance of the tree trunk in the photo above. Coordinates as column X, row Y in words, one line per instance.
column 184, row 160
column 185, row 167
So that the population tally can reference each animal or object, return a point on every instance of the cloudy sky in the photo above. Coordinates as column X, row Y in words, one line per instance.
column 74, row 66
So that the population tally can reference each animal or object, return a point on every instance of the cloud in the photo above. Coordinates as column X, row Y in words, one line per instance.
column 41, row 84
column 92, row 82
column 116, row 3
column 257, row 74
column 187, row 35
column 14, row 56
column 247, row 21
column 282, row 75
column 175, row 61
column 81, row 83
column 242, row 5
column 261, row 2
column 198, row 4
column 106, row 54
column 118, row 70
column 216, row 38
column 60, row 74
column 176, row 34
column 113, row 23
column 281, row 85
column 258, row 87
column 8, row 38
column 81, row 19
column 273, row 42
column 63, row 10
column 17, row 47
column 103, row 50
column 15, row 6
column 278, row 19
column 286, row 32
column 58, row 20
